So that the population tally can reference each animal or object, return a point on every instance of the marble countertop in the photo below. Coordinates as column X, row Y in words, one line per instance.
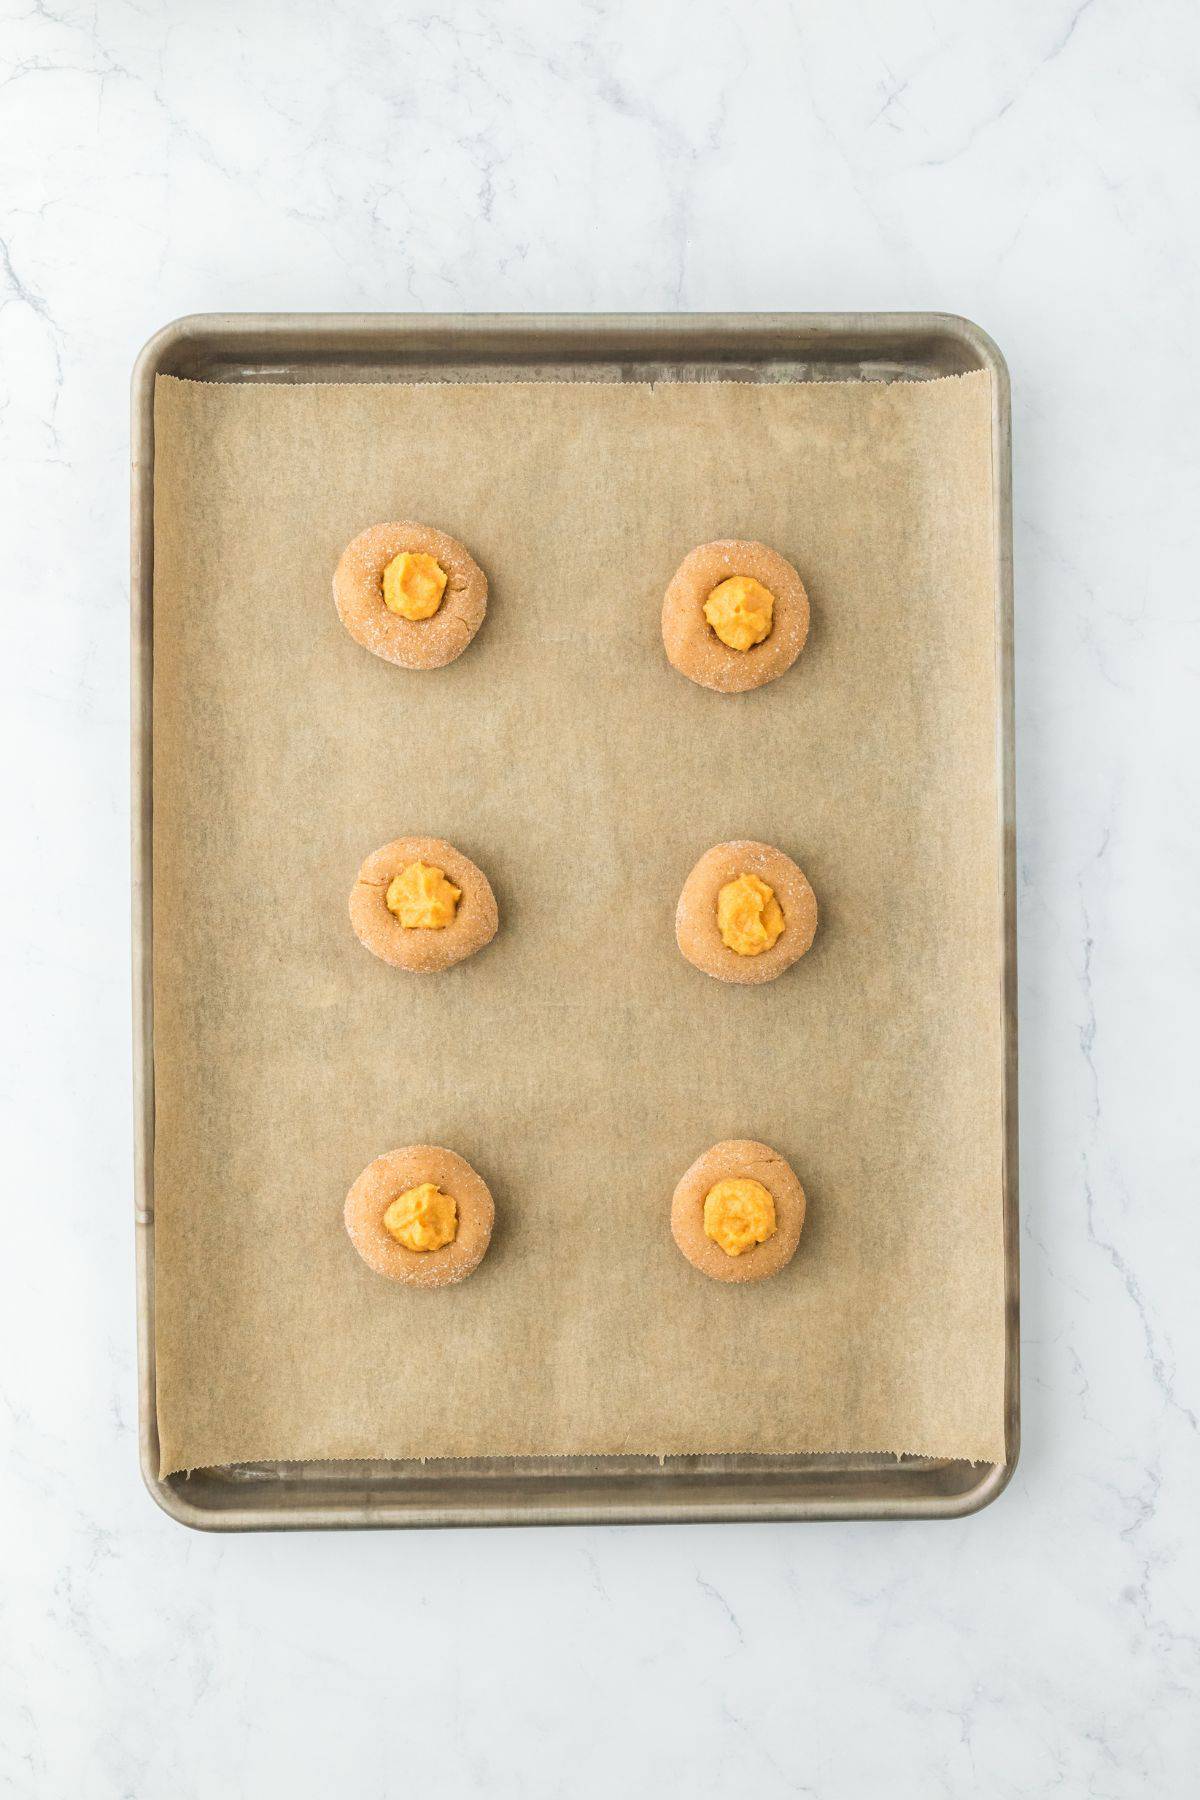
column 1031, row 166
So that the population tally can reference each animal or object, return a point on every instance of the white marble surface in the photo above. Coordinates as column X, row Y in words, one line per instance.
column 1030, row 164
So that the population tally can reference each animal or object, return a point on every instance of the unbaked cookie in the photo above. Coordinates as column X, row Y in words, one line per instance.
column 410, row 594
column 740, row 1194
column 420, row 904
column 746, row 913
column 735, row 616
column 421, row 1194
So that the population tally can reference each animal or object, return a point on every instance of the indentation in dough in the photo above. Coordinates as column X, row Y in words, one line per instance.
column 748, row 915
column 421, row 898
column 740, row 611
column 738, row 1213
column 413, row 585
column 422, row 1218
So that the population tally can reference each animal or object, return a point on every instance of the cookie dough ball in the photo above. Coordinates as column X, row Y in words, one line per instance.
column 735, row 616
column 746, row 913
column 738, row 1212
column 420, row 1215
column 421, row 904
column 410, row 594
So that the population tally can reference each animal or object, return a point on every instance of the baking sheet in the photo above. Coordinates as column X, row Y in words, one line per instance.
column 579, row 1063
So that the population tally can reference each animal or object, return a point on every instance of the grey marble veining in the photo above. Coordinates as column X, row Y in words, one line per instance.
column 1030, row 165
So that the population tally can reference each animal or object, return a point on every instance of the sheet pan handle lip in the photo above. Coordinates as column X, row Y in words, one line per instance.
column 191, row 326
column 171, row 1498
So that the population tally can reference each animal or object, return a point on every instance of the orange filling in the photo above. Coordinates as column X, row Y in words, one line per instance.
column 740, row 611
column 749, row 917
column 423, row 1218
column 421, row 897
column 413, row 585
column 738, row 1213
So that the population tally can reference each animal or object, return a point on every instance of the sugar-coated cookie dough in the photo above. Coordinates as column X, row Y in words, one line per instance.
column 420, row 904
column 735, row 615
column 421, row 1194
column 738, row 1212
column 410, row 594
column 746, row 913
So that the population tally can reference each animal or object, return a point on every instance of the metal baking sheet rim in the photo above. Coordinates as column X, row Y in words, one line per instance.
column 572, row 1490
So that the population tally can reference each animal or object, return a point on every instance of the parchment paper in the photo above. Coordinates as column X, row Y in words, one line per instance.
column 579, row 1063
